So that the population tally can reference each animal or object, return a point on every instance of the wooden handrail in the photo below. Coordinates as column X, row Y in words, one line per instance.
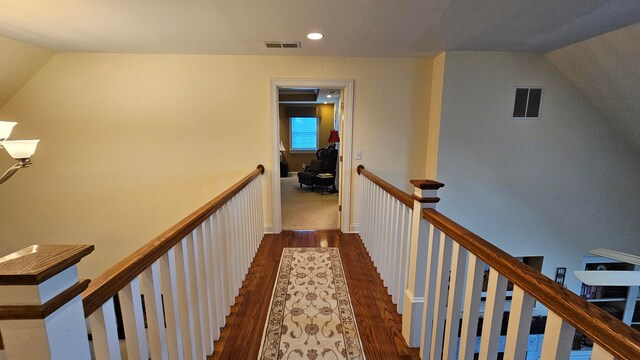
column 611, row 334
column 105, row 286
column 400, row 195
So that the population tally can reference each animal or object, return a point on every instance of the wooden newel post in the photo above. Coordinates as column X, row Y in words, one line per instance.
column 41, row 312
column 425, row 196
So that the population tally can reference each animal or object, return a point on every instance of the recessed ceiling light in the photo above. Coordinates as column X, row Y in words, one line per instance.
column 329, row 96
column 314, row 36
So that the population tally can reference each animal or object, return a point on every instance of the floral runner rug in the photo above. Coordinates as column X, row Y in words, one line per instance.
column 310, row 316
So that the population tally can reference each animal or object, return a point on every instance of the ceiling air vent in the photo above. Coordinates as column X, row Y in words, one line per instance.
column 282, row 45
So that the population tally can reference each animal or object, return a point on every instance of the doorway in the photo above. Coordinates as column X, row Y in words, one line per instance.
column 343, row 172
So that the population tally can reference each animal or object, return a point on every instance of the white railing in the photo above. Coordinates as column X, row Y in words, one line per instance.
column 174, row 293
column 386, row 232
column 443, row 287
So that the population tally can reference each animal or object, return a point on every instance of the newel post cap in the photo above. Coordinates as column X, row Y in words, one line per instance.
column 37, row 263
column 424, row 184
column 426, row 191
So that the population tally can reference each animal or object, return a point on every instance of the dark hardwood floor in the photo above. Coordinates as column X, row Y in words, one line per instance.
column 378, row 322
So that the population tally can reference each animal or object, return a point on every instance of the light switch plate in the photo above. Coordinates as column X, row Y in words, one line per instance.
column 359, row 155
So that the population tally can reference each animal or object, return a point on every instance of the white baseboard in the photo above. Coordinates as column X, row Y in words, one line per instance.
column 292, row 174
column 354, row 228
column 268, row 229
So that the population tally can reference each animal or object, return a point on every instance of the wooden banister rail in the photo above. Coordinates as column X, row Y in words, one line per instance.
column 392, row 190
column 105, row 286
column 611, row 334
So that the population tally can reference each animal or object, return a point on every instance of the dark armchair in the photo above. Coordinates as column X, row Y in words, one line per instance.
column 325, row 163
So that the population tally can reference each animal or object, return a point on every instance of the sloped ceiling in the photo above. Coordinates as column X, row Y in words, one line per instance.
column 18, row 63
column 607, row 70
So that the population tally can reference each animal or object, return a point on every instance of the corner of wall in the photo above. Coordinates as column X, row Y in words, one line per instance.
column 19, row 64
column 435, row 111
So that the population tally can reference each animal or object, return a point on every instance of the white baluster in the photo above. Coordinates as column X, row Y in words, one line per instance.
column 440, row 300
column 456, row 288
column 374, row 225
column 366, row 212
column 171, row 307
column 212, row 281
column 393, row 239
column 191, row 260
column 221, row 267
column 380, row 232
column 598, row 353
column 493, row 313
column 261, row 208
column 435, row 241
column 204, row 285
column 362, row 207
column 242, row 232
column 254, row 220
column 104, row 332
column 407, row 213
column 184, row 300
column 249, row 223
column 472, row 294
column 519, row 324
column 150, row 282
column 386, row 238
column 558, row 337
column 371, row 217
column 383, row 235
column 133, row 321
column 227, row 253
column 235, row 246
column 395, row 252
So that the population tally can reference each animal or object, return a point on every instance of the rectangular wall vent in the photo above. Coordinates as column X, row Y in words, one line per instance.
column 527, row 103
column 282, row 45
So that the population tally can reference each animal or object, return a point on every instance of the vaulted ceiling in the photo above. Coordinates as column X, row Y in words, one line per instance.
column 351, row 28
column 606, row 69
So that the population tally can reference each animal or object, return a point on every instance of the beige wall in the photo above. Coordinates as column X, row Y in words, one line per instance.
column 133, row 143
column 296, row 159
column 18, row 63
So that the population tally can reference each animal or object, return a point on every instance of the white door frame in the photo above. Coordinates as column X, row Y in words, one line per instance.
column 346, row 139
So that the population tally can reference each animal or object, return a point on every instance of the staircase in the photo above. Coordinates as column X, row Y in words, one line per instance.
column 214, row 269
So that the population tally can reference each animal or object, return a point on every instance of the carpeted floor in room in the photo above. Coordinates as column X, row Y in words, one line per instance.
column 303, row 209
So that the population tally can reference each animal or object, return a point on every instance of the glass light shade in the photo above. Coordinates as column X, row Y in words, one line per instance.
column 20, row 149
column 282, row 146
column 5, row 129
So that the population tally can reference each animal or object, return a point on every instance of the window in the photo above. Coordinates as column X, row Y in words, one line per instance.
column 527, row 104
column 304, row 134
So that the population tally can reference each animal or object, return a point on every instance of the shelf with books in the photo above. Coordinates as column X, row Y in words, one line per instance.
column 620, row 301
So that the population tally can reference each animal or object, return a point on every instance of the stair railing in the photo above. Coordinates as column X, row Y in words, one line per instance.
column 445, row 271
column 167, row 300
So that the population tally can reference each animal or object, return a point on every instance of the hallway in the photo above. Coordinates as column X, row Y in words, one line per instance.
column 378, row 322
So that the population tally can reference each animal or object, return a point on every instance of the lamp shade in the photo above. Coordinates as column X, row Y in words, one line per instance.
column 5, row 129
column 333, row 136
column 282, row 146
column 20, row 149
